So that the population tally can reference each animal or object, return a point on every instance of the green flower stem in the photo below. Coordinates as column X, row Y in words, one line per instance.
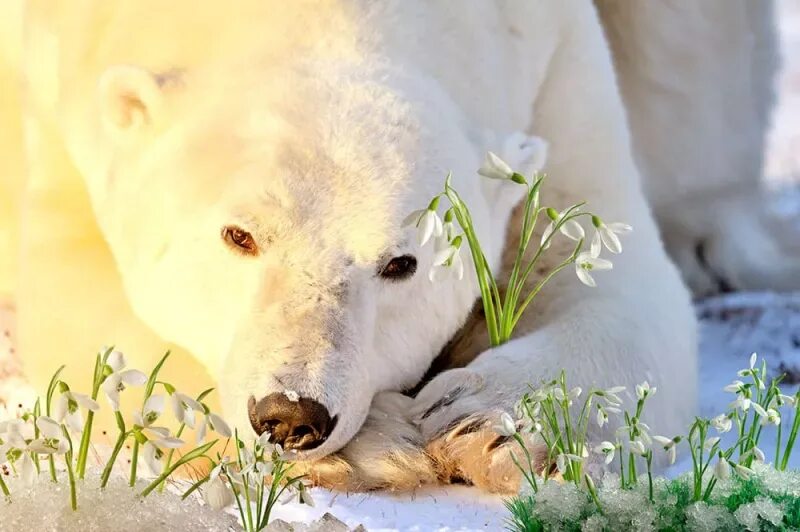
column 198, row 452
column 478, row 263
column 792, row 437
column 171, row 454
column 134, row 462
column 123, row 435
column 649, row 460
column 73, row 496
column 239, row 504
column 532, row 479
column 4, row 487
column 541, row 284
column 86, row 437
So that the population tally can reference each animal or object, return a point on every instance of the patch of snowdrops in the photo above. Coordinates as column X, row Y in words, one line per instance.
column 503, row 311
column 730, row 487
column 51, row 441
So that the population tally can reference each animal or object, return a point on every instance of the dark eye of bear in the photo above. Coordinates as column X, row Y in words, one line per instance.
column 400, row 268
column 240, row 239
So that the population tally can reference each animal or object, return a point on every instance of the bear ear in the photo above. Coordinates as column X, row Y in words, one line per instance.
column 131, row 99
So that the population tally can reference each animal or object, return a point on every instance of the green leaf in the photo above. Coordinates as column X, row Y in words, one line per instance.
column 51, row 388
column 151, row 382
column 194, row 487
column 198, row 452
column 204, row 394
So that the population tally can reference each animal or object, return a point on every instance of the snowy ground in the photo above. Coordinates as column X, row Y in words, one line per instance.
column 732, row 328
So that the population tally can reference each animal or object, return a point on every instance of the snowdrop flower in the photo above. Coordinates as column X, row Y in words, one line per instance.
column 494, row 167
column 751, row 370
column 742, row 403
column 27, row 471
column 563, row 460
column 152, row 455
column 669, row 445
column 426, row 221
column 585, row 262
column 736, row 387
column 602, row 414
column 262, row 442
column 783, row 400
column 570, row 396
column 51, row 440
column 447, row 262
column 772, row 417
column 606, row 235
column 722, row 423
column 67, row 409
column 638, row 447
column 153, row 407
column 217, row 494
column 570, row 229
column 758, row 454
column 722, row 470
column 214, row 422
column 184, row 407
column 710, row 443
column 610, row 395
column 507, row 427
column 12, row 430
column 305, row 497
column 742, row 471
column 637, row 427
column 759, row 410
column 643, row 391
column 606, row 448
column 116, row 381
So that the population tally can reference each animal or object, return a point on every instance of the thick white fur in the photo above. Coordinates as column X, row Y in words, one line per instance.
column 318, row 126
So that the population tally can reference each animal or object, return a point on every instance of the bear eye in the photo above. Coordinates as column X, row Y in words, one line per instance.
column 239, row 239
column 400, row 268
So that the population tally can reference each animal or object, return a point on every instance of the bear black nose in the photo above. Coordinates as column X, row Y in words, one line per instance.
column 297, row 424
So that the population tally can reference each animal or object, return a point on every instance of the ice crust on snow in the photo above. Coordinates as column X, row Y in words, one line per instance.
column 45, row 506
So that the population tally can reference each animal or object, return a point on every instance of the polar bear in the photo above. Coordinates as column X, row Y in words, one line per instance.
column 232, row 182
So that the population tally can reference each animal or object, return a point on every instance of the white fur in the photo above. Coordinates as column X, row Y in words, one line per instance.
column 318, row 126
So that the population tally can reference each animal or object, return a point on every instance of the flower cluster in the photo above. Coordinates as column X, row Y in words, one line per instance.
column 548, row 412
column 504, row 312
column 258, row 477
column 33, row 438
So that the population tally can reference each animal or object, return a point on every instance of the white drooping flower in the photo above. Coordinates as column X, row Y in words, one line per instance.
column 506, row 427
column 742, row 402
column 606, row 448
column 15, row 433
column 736, row 387
column 564, row 459
column 722, row 423
column 158, row 438
column 722, row 469
column 217, row 494
column 51, row 439
column 751, row 370
column 426, row 221
column 119, row 377
column 783, row 400
column 305, row 497
column 644, row 390
column 571, row 228
column 494, row 167
column 606, row 235
column 602, row 413
column 772, row 417
column 587, row 261
column 214, row 422
column 742, row 471
column 710, row 442
column 448, row 262
column 611, row 395
column 638, row 447
column 152, row 409
column 27, row 471
column 670, row 446
column 67, row 409
column 184, row 408
column 758, row 454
